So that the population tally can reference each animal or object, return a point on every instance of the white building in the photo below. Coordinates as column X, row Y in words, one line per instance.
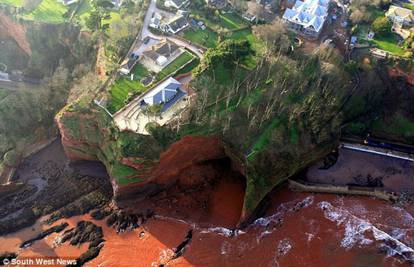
column 307, row 17
column 177, row 4
column 400, row 15
column 67, row 2
column 158, row 56
column 116, row 3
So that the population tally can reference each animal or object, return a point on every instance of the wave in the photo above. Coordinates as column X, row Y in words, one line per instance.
column 356, row 230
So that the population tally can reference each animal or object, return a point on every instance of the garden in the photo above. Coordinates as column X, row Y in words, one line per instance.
column 128, row 87
column 219, row 25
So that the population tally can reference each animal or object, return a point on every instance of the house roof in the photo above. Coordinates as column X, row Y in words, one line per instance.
column 163, row 49
column 178, row 3
column 164, row 92
column 309, row 13
column 68, row 2
column 116, row 3
column 178, row 23
column 401, row 12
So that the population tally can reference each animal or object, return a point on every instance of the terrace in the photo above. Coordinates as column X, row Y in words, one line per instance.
column 158, row 105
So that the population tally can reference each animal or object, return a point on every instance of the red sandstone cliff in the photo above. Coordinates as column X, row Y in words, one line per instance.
column 8, row 28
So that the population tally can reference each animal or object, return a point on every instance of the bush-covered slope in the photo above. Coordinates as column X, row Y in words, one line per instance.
column 274, row 120
column 48, row 58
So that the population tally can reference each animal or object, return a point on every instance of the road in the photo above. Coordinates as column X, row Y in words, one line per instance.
column 151, row 9
column 379, row 151
column 145, row 32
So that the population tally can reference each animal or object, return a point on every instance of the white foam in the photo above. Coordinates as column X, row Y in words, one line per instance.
column 284, row 247
column 356, row 229
column 222, row 231
column 282, row 210
column 225, row 248
column 310, row 236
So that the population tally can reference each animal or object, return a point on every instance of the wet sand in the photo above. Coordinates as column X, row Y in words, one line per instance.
column 299, row 229
column 353, row 167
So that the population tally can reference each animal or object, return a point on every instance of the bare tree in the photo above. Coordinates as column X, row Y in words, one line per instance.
column 255, row 9
column 274, row 35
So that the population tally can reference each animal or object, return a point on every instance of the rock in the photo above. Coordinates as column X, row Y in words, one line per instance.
column 83, row 232
column 54, row 229
column 7, row 256
column 90, row 254
column 100, row 214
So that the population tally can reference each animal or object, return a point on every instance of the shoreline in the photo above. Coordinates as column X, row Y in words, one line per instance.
column 27, row 152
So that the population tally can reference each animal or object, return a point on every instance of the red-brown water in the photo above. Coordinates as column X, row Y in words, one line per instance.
column 299, row 229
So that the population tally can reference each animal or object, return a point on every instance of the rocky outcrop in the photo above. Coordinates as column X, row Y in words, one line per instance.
column 89, row 134
column 43, row 234
column 84, row 232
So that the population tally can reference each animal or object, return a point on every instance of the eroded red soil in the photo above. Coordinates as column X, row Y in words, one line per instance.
column 299, row 229
column 15, row 31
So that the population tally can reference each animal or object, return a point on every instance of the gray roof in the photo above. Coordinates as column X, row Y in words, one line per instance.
column 309, row 13
column 178, row 23
column 164, row 92
column 178, row 3
column 165, row 48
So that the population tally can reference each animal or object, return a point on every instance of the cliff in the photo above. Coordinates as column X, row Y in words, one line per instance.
column 267, row 124
column 44, row 57
column 89, row 134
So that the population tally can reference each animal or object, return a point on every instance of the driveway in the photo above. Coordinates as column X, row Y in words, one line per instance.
column 145, row 32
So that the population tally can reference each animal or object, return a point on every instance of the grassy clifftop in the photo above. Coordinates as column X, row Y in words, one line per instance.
column 88, row 133
column 275, row 119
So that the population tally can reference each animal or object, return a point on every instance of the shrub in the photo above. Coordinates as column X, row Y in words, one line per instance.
column 381, row 25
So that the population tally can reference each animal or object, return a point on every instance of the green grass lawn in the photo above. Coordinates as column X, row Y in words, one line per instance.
column 227, row 21
column 83, row 12
column 264, row 138
column 124, row 88
column 246, row 34
column 123, row 174
column 189, row 67
column 49, row 11
column 17, row 3
column 389, row 43
column 139, row 71
column 115, row 16
column 206, row 38
column 175, row 65
column 224, row 76
column 232, row 21
column 409, row 6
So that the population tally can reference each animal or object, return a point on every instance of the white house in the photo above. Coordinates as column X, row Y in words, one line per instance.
column 166, row 93
column 67, row 2
column 4, row 76
column 155, row 21
column 158, row 56
column 400, row 15
column 175, row 3
column 307, row 17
